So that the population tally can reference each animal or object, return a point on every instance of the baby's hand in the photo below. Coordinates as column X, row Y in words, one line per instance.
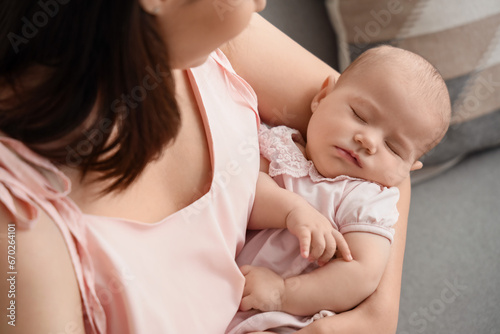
column 263, row 290
column 317, row 237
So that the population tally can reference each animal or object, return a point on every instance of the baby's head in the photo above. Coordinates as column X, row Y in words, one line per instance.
column 386, row 110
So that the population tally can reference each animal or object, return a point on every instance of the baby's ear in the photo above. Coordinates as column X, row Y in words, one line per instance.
column 326, row 88
column 416, row 165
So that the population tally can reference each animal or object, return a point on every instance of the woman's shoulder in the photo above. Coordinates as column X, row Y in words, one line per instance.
column 39, row 262
column 30, row 187
column 27, row 180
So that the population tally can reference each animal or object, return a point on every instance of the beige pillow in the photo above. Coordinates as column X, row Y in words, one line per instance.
column 460, row 37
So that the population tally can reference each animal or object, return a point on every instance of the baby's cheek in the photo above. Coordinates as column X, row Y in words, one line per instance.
column 395, row 175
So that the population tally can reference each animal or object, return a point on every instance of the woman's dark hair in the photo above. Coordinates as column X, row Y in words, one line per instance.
column 79, row 71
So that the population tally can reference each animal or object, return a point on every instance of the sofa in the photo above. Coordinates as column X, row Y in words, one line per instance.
column 451, row 275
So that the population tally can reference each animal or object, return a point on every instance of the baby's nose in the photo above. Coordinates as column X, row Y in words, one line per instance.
column 367, row 142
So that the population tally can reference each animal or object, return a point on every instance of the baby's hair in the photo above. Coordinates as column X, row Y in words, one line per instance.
column 422, row 75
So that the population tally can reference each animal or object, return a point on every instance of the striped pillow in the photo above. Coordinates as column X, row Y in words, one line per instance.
column 460, row 37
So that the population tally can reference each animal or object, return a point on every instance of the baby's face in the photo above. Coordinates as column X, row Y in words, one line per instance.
column 372, row 126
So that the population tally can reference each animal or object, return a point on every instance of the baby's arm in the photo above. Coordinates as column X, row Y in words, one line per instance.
column 338, row 286
column 275, row 207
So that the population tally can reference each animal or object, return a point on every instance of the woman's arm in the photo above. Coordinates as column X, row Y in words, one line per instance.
column 378, row 314
column 47, row 297
column 284, row 75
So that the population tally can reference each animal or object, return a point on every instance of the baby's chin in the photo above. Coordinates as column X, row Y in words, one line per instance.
column 392, row 181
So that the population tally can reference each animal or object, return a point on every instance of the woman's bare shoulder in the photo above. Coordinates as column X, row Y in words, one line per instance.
column 41, row 290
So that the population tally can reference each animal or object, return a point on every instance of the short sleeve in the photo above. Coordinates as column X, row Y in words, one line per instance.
column 368, row 207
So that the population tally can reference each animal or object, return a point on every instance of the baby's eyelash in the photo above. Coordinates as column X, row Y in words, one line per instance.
column 392, row 149
column 356, row 114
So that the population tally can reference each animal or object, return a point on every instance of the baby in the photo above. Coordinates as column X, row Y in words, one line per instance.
column 367, row 131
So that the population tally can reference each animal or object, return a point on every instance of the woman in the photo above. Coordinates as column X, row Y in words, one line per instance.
column 127, row 102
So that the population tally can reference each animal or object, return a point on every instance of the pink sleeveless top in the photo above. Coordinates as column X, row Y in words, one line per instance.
column 177, row 275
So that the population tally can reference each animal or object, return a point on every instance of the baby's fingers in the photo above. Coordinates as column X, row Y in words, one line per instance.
column 318, row 245
column 330, row 248
column 245, row 269
column 304, row 237
column 342, row 245
column 247, row 303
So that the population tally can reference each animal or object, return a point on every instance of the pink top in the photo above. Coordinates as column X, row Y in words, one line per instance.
column 351, row 204
column 174, row 276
